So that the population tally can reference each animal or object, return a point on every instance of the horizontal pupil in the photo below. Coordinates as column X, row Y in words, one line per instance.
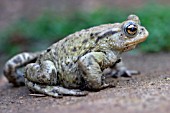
column 131, row 29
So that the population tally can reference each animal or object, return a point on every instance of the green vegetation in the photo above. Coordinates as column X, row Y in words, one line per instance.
column 156, row 19
column 49, row 27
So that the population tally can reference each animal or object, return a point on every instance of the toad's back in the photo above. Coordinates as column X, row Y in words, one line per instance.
column 80, row 42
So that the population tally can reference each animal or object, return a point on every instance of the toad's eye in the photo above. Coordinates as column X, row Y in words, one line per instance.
column 130, row 29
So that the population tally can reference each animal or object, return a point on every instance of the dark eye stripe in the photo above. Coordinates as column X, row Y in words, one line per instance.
column 106, row 34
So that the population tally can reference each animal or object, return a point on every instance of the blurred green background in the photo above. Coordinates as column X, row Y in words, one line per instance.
column 34, row 25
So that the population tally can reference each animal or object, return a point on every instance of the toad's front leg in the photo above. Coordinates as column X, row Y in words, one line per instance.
column 120, row 70
column 92, row 65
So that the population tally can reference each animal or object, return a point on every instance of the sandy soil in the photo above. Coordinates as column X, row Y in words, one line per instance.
column 148, row 92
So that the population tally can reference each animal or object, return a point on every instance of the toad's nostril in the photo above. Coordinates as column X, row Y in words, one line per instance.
column 142, row 29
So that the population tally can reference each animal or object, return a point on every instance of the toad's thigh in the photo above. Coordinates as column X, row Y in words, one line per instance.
column 41, row 73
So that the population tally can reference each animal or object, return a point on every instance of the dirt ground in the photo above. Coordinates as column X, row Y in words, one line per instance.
column 148, row 92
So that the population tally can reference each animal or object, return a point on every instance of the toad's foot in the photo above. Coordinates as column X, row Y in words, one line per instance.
column 54, row 91
column 120, row 70
column 124, row 73
column 120, row 73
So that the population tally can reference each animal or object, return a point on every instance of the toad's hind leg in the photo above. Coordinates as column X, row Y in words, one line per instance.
column 42, row 78
column 43, row 72
column 54, row 91
column 13, row 69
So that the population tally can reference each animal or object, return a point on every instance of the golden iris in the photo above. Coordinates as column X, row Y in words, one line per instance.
column 131, row 29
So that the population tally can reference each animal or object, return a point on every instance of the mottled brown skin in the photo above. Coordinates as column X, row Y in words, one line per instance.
column 79, row 60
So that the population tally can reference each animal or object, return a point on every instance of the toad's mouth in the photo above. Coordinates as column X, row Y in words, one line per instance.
column 131, row 45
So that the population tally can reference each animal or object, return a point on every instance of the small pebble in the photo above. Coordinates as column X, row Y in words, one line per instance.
column 167, row 78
